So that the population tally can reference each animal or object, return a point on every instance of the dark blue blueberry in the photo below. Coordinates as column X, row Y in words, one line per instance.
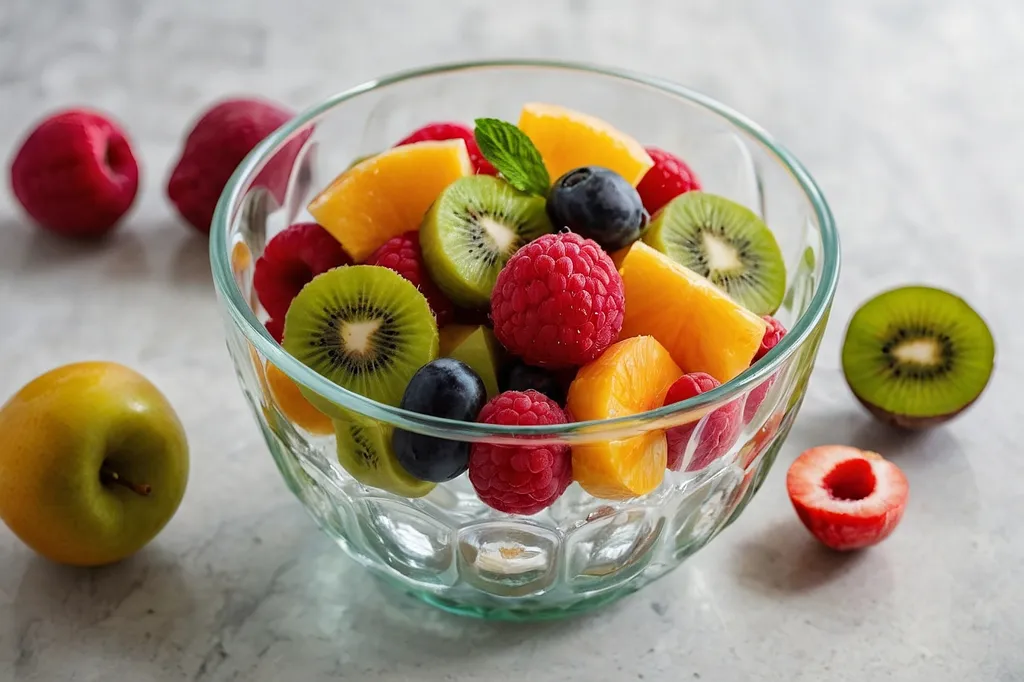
column 519, row 376
column 598, row 204
column 443, row 388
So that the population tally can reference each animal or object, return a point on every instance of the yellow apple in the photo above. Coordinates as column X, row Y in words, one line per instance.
column 93, row 463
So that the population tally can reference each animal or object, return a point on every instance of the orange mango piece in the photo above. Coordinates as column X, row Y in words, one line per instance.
column 294, row 405
column 568, row 139
column 700, row 325
column 631, row 377
column 387, row 195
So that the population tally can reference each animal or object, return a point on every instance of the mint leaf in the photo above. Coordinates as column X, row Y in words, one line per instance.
column 513, row 154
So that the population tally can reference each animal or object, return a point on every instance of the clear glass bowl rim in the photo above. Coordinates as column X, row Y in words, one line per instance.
column 619, row 427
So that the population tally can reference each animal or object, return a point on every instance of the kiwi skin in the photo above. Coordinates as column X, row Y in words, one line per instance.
column 907, row 422
column 354, row 432
column 976, row 334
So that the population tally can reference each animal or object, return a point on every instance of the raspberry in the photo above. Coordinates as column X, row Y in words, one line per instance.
column 75, row 174
column 453, row 131
column 218, row 142
column 668, row 178
column 520, row 479
column 275, row 326
column 558, row 302
column 403, row 255
column 290, row 260
column 771, row 338
column 721, row 427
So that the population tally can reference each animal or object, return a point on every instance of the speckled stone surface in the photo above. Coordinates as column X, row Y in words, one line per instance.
column 908, row 112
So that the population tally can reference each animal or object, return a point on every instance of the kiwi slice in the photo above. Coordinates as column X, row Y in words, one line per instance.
column 726, row 243
column 364, row 327
column 364, row 450
column 471, row 231
column 917, row 356
column 476, row 346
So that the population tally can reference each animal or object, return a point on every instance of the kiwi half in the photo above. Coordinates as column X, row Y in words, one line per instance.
column 471, row 231
column 917, row 356
column 364, row 327
column 364, row 450
column 727, row 244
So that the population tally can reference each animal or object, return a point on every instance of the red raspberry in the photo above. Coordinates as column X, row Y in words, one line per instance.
column 558, row 302
column 847, row 498
column 218, row 142
column 275, row 326
column 668, row 178
column 771, row 338
column 75, row 174
column 403, row 255
column 290, row 260
column 721, row 428
column 453, row 131
column 520, row 479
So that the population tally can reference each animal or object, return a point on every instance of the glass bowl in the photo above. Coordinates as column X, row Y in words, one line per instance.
column 448, row 548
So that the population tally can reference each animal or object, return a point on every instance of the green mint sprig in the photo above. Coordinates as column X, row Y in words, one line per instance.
column 513, row 154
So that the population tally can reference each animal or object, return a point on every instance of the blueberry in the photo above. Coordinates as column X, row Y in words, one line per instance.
column 443, row 388
column 519, row 376
column 598, row 204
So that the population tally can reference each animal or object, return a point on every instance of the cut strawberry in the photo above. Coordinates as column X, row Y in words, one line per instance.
column 847, row 498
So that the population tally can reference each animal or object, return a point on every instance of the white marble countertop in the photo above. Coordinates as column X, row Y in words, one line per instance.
column 908, row 113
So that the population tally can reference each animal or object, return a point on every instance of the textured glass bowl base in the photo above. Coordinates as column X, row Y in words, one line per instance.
column 521, row 614
column 514, row 572
column 448, row 548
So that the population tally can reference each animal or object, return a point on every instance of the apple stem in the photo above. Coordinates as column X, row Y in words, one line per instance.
column 109, row 476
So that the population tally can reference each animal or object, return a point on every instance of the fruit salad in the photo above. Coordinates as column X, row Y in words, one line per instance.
column 532, row 273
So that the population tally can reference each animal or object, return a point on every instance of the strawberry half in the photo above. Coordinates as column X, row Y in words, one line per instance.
column 847, row 498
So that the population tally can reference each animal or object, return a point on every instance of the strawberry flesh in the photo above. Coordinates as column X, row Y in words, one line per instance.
column 847, row 498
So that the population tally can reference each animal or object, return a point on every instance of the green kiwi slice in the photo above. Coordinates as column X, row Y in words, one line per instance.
column 364, row 327
column 476, row 346
column 471, row 231
column 364, row 450
column 726, row 243
column 917, row 356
